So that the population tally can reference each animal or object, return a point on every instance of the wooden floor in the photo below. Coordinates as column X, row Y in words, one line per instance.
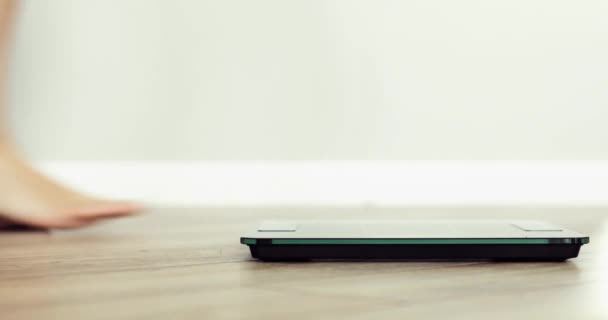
column 188, row 264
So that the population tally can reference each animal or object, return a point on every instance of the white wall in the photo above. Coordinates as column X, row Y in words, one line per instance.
column 312, row 79
column 98, row 82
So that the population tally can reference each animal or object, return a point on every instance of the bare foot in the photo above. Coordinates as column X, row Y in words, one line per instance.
column 27, row 197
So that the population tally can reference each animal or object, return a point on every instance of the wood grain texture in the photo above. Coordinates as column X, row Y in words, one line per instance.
column 188, row 264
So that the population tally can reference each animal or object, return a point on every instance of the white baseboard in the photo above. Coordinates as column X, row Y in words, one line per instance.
column 346, row 183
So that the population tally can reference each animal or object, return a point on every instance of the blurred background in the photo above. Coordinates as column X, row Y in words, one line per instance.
column 317, row 102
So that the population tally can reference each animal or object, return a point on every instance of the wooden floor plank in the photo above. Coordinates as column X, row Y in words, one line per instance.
column 189, row 264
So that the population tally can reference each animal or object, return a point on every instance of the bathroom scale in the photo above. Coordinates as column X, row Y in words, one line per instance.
column 523, row 240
